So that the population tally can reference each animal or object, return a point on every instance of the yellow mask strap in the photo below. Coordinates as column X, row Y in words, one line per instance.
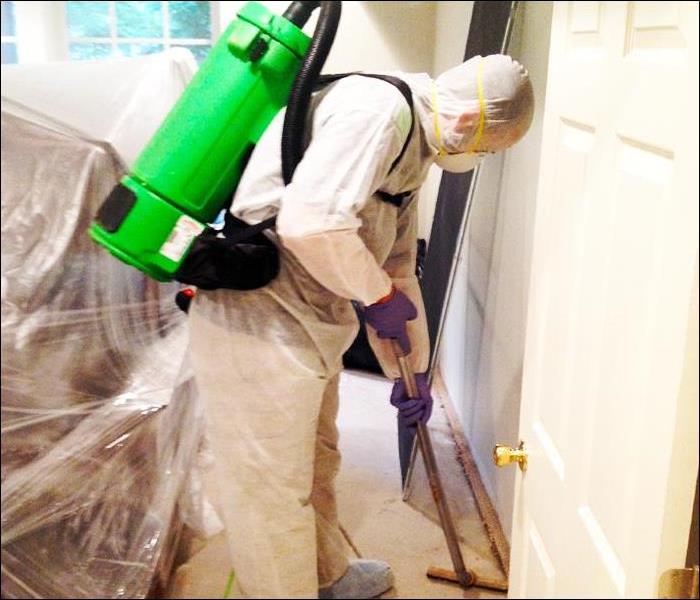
column 482, row 106
column 436, row 121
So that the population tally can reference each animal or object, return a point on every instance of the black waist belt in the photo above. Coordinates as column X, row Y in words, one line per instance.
column 395, row 199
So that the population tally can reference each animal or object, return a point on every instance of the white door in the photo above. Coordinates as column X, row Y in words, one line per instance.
column 605, row 389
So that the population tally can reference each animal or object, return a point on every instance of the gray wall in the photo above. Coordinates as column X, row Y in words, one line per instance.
column 481, row 356
column 451, row 29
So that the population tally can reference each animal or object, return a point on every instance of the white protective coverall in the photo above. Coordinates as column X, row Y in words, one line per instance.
column 267, row 361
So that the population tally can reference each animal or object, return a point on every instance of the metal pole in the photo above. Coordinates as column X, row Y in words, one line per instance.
column 453, row 271
column 431, row 469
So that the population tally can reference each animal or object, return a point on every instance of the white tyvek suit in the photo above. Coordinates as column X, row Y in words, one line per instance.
column 267, row 361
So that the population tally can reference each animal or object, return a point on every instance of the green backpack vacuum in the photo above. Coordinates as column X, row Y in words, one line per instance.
column 156, row 219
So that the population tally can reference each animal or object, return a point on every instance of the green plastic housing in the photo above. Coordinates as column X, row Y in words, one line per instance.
column 192, row 165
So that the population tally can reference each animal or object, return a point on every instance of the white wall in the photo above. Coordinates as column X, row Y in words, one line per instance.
column 482, row 353
column 372, row 36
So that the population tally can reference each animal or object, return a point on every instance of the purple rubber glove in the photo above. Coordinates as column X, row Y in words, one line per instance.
column 388, row 318
column 412, row 410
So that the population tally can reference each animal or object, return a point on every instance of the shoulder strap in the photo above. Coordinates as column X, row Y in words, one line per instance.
column 233, row 229
column 399, row 84
column 402, row 86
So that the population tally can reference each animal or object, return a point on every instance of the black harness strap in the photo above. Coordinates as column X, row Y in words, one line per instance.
column 237, row 230
column 402, row 86
column 399, row 84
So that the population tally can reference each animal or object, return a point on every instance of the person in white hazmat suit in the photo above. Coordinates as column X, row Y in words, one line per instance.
column 267, row 361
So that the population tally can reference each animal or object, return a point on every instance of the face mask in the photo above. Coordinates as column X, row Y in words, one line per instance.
column 464, row 161
column 458, row 163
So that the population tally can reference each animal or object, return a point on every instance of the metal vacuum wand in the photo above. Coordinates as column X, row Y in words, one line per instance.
column 466, row 578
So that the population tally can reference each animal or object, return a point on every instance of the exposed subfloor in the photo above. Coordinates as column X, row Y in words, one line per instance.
column 372, row 512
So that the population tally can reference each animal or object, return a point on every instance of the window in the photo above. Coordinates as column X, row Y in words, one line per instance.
column 9, row 34
column 103, row 29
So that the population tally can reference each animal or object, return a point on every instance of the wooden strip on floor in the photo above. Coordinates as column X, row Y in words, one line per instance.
column 489, row 516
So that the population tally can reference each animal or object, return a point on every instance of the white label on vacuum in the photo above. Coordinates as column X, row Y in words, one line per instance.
column 185, row 230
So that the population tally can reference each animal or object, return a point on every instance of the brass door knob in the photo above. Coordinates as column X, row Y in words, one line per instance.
column 505, row 455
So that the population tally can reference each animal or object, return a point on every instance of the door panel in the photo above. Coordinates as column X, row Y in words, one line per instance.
column 615, row 254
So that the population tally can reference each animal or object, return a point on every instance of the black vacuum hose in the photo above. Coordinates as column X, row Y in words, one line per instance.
column 299, row 12
column 299, row 97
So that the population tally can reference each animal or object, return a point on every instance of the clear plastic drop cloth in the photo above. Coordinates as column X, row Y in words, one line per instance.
column 119, row 101
column 101, row 422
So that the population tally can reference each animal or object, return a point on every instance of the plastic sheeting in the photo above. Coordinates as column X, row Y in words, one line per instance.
column 101, row 423
column 121, row 102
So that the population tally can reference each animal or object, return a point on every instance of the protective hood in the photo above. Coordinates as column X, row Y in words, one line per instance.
column 466, row 103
